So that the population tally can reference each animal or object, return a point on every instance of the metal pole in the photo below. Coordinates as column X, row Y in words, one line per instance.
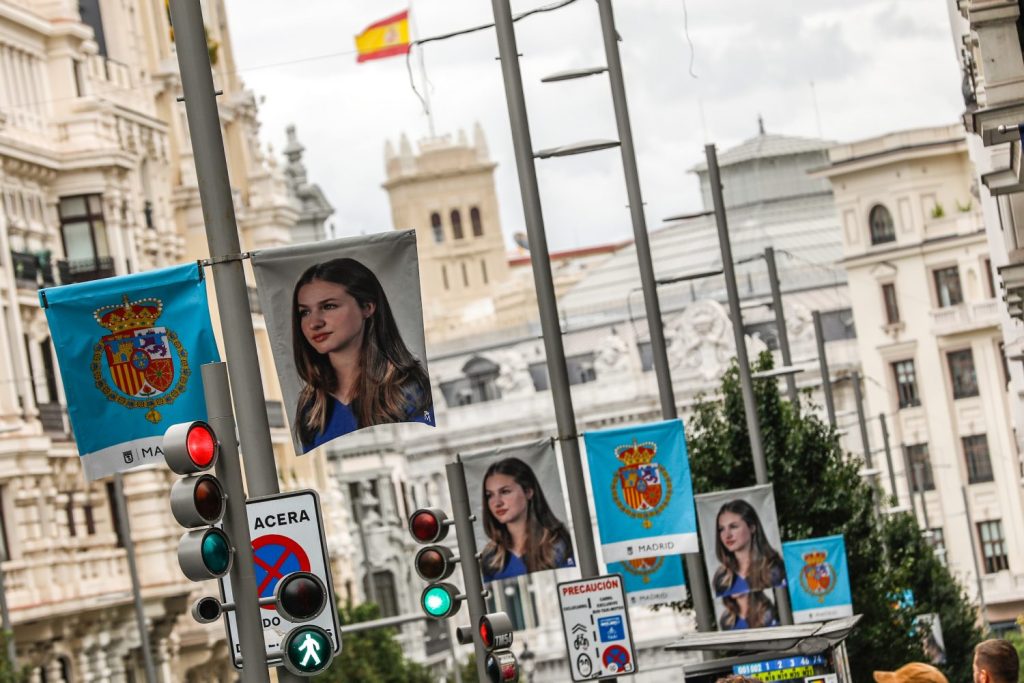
column 5, row 614
column 746, row 384
column 222, row 238
column 462, row 516
column 357, row 511
column 826, row 379
column 236, row 523
column 906, row 474
column 780, row 324
column 694, row 564
column 888, row 455
column 550, row 326
column 133, row 572
column 919, row 481
column 858, row 398
column 974, row 555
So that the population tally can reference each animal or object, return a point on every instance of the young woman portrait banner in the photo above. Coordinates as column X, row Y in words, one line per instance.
column 743, row 554
column 346, row 330
column 643, row 495
column 521, row 525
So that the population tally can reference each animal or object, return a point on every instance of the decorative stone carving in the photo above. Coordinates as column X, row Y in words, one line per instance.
column 514, row 377
column 612, row 355
column 700, row 340
column 800, row 326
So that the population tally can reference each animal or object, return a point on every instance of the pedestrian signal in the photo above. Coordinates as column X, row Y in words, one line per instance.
column 307, row 650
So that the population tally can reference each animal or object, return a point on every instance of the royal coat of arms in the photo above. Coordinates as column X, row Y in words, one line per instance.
column 641, row 487
column 137, row 357
column 644, row 567
column 817, row 577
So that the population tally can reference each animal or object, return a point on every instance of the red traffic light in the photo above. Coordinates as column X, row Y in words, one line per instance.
column 434, row 563
column 496, row 631
column 502, row 667
column 301, row 596
column 190, row 447
column 428, row 525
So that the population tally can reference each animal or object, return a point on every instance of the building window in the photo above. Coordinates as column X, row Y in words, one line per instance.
column 384, row 591
column 581, row 368
column 115, row 516
column 990, row 282
column 882, row 228
column 465, row 275
column 947, row 287
column 646, row 355
column 993, row 546
column 483, row 270
column 474, row 218
column 478, row 384
column 444, row 275
column 436, row 227
column 961, row 371
column 892, row 308
column 979, row 463
column 456, row 224
column 917, row 458
column 82, row 228
column 906, row 383
column 89, row 11
column 838, row 324
column 69, row 510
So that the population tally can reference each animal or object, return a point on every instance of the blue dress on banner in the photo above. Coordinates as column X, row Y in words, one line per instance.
column 343, row 421
column 130, row 350
column 643, row 494
column 514, row 565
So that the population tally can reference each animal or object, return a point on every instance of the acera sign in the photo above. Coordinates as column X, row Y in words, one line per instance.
column 597, row 632
column 287, row 534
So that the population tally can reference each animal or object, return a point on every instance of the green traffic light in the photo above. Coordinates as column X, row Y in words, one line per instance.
column 437, row 601
column 216, row 552
column 308, row 649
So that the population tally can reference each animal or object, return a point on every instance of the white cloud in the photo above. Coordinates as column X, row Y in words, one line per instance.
column 873, row 70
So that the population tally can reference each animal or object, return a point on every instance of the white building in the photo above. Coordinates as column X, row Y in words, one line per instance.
column 930, row 341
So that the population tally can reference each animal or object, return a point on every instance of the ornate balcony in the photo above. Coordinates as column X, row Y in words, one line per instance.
column 965, row 317
column 84, row 270
column 32, row 269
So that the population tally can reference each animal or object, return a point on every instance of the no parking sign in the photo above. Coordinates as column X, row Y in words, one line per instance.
column 287, row 534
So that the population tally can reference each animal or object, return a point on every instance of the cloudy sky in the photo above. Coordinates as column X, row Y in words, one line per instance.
column 876, row 66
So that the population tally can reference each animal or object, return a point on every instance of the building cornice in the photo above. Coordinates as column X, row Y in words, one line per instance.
column 918, row 248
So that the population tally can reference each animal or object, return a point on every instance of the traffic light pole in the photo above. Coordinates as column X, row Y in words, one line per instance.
column 694, row 565
column 236, row 523
column 551, row 328
column 225, row 257
column 888, row 455
column 133, row 572
column 780, row 324
column 462, row 517
column 862, row 422
column 826, row 379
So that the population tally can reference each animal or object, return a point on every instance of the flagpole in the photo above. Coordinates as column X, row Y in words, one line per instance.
column 423, row 72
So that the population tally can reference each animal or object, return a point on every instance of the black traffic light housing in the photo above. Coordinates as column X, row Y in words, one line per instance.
column 435, row 563
column 495, row 631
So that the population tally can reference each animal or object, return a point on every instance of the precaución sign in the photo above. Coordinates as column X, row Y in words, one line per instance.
column 596, row 623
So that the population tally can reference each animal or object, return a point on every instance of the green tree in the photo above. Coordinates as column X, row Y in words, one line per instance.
column 8, row 674
column 372, row 656
column 819, row 492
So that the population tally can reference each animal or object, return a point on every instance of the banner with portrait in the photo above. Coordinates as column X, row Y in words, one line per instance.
column 739, row 530
column 928, row 629
column 129, row 350
column 521, row 525
column 345, row 321
column 652, row 580
column 643, row 495
column 819, row 588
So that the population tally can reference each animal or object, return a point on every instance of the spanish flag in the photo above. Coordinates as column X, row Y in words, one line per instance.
column 385, row 38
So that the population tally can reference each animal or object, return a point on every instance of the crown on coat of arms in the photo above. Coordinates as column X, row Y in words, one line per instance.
column 637, row 453
column 129, row 315
column 815, row 557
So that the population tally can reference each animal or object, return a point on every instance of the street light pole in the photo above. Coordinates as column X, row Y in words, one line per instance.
column 888, row 455
column 858, row 398
column 826, row 379
column 694, row 566
column 780, row 324
column 544, row 283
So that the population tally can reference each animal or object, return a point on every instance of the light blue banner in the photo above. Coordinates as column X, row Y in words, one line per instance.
column 652, row 580
column 643, row 495
column 819, row 579
column 129, row 350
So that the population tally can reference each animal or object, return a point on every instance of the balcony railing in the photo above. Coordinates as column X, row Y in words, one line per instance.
column 31, row 270
column 965, row 317
column 84, row 270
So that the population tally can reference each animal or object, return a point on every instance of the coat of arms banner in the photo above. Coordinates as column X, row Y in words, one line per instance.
column 129, row 350
column 643, row 495
column 652, row 580
column 819, row 583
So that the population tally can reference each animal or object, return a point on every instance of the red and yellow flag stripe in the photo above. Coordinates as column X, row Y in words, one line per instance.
column 385, row 38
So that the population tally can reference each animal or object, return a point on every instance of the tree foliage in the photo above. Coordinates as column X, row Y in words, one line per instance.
column 372, row 656
column 819, row 492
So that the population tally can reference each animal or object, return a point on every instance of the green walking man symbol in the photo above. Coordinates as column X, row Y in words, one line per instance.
column 309, row 646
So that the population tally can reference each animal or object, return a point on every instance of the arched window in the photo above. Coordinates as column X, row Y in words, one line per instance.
column 882, row 228
column 456, row 224
column 474, row 218
column 435, row 225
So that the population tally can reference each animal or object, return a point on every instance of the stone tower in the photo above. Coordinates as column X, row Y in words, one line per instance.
column 446, row 192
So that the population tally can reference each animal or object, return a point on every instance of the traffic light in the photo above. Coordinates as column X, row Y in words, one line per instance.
column 307, row 648
column 496, row 634
column 198, row 503
column 435, row 563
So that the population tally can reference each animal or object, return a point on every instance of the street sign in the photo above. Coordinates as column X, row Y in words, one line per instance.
column 596, row 624
column 287, row 533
